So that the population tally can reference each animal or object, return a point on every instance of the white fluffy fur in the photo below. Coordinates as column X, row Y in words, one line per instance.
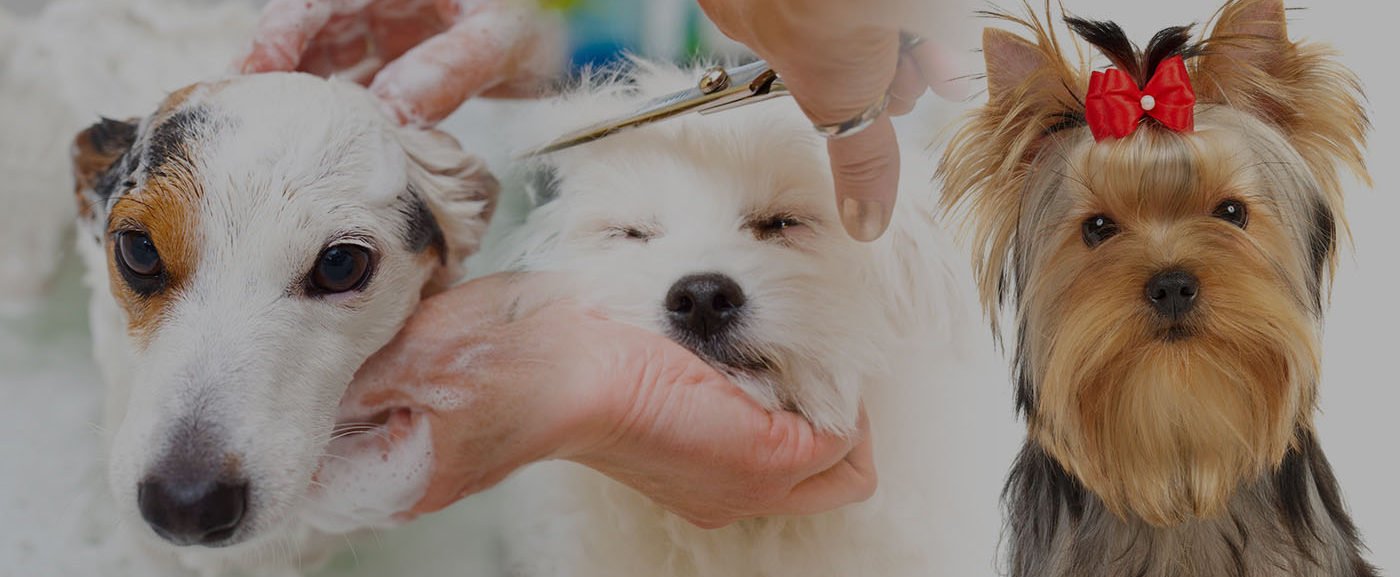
column 845, row 322
column 59, row 70
column 288, row 165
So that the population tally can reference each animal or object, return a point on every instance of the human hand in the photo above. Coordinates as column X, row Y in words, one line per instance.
column 502, row 377
column 839, row 58
column 423, row 58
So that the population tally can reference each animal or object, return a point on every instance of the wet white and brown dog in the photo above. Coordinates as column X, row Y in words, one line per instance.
column 721, row 232
column 250, row 244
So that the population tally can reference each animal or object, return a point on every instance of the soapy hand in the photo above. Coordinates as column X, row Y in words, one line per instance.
column 423, row 58
column 501, row 377
column 839, row 58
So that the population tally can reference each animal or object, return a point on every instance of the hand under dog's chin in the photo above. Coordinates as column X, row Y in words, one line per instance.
column 372, row 473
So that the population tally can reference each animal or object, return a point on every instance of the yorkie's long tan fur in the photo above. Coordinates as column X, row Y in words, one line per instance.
column 1166, row 437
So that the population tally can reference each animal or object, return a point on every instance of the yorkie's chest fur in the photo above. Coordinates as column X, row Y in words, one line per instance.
column 1168, row 288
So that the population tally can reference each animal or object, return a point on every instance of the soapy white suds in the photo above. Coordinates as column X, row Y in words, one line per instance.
column 361, row 486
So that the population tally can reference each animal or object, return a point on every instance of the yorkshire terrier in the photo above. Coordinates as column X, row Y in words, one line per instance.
column 1165, row 232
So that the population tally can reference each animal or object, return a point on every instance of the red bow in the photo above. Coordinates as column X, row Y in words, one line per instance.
column 1115, row 105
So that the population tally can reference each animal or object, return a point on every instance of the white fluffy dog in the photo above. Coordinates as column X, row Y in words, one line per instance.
column 250, row 244
column 721, row 232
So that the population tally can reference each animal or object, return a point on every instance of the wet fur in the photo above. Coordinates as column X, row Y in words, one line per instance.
column 1156, row 450
column 225, row 359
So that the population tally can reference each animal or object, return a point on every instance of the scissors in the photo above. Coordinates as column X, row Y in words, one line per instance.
column 718, row 89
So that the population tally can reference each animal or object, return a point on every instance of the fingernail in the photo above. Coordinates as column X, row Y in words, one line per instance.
column 865, row 220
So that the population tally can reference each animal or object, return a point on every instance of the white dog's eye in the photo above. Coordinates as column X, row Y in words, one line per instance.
column 341, row 268
column 773, row 226
column 630, row 233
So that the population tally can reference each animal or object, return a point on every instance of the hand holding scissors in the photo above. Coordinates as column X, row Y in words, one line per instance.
column 849, row 67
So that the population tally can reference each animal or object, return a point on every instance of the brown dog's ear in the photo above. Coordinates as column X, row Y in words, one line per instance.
column 1010, row 60
column 459, row 194
column 1033, row 92
column 1250, row 33
column 1249, row 63
column 94, row 152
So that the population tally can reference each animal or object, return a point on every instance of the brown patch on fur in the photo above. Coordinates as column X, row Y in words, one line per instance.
column 166, row 210
column 1163, row 429
column 165, row 207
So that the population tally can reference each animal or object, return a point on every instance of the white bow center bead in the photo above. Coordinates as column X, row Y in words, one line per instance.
column 1148, row 102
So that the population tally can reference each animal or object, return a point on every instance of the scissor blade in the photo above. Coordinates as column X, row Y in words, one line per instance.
column 748, row 82
column 673, row 104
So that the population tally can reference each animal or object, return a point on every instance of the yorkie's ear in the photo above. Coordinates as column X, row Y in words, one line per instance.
column 1032, row 94
column 1248, row 62
column 1010, row 60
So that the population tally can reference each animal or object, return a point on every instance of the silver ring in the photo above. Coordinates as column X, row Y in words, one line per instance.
column 854, row 125
column 909, row 41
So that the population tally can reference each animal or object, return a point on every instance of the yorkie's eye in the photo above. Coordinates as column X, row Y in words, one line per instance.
column 1097, row 229
column 341, row 268
column 1233, row 212
column 139, row 261
column 773, row 226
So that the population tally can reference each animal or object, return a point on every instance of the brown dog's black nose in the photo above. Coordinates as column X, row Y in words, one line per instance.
column 704, row 305
column 193, row 511
column 1173, row 293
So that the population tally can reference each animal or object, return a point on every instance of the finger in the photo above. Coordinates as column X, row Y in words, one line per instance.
column 865, row 167
column 802, row 451
column 940, row 70
column 342, row 49
column 284, row 30
column 447, row 483
column 438, row 349
column 909, row 85
column 851, row 480
column 478, row 53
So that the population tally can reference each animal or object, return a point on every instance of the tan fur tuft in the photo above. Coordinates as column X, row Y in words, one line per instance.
column 1031, row 88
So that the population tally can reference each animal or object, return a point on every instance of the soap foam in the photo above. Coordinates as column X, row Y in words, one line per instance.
column 365, row 482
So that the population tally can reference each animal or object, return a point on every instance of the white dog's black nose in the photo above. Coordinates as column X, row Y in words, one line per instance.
column 193, row 509
column 704, row 305
column 1173, row 293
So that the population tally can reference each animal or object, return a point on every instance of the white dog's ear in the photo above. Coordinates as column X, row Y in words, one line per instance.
column 542, row 184
column 95, row 153
column 459, row 193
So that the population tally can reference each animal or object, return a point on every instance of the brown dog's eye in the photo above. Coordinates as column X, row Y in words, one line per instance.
column 1233, row 212
column 1097, row 229
column 341, row 268
column 139, row 262
column 137, row 254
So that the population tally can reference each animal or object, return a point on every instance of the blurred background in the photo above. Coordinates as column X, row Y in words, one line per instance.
column 64, row 63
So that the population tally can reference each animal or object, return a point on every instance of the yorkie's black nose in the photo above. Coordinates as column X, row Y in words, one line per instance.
column 192, row 511
column 1173, row 293
column 705, row 305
